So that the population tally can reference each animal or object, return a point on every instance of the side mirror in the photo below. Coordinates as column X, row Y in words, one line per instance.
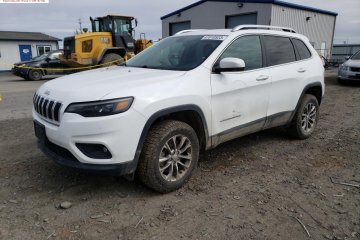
column 47, row 59
column 230, row 65
column 347, row 57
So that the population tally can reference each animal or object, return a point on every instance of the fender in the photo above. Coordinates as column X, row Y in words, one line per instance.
column 307, row 87
column 161, row 113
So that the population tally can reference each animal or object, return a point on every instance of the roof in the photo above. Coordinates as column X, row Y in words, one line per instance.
column 347, row 45
column 26, row 36
column 276, row 2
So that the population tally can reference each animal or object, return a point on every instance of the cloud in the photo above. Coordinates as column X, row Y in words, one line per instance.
column 59, row 18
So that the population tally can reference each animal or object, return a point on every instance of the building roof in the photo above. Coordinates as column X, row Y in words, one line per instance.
column 276, row 2
column 26, row 36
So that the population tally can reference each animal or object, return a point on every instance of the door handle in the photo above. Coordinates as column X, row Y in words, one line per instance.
column 262, row 78
column 301, row 70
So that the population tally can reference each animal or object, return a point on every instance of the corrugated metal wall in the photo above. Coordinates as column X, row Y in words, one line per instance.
column 319, row 28
column 340, row 52
column 211, row 15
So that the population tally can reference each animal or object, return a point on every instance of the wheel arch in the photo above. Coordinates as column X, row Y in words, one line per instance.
column 315, row 89
column 190, row 114
column 116, row 50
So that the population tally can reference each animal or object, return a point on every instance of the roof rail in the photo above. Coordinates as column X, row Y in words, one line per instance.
column 188, row 30
column 245, row 27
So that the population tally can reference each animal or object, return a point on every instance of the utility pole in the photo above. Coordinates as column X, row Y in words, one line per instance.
column 80, row 25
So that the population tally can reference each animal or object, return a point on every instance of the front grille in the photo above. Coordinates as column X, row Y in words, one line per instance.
column 355, row 69
column 47, row 108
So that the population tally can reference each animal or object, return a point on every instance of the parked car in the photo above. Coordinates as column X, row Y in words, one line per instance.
column 28, row 71
column 189, row 92
column 350, row 70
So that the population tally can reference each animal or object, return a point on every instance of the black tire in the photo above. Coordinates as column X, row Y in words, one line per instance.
column 153, row 151
column 34, row 75
column 306, row 115
column 112, row 59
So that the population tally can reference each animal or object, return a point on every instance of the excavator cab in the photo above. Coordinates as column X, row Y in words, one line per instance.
column 120, row 27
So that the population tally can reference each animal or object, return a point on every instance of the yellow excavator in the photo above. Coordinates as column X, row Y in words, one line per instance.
column 110, row 41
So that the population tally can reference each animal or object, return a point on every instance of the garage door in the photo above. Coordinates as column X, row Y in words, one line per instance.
column 233, row 21
column 179, row 26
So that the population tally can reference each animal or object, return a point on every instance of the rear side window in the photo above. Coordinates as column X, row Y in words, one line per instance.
column 279, row 50
column 248, row 48
column 302, row 49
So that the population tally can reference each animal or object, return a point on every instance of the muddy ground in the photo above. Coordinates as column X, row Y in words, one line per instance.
column 263, row 186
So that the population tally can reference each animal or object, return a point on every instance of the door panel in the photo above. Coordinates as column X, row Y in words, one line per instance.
column 286, row 74
column 240, row 99
column 25, row 52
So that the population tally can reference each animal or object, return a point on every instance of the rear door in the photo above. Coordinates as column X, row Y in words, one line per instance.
column 286, row 79
column 240, row 99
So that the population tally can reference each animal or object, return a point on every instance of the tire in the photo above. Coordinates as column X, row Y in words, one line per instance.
column 159, row 156
column 110, row 58
column 34, row 75
column 306, row 117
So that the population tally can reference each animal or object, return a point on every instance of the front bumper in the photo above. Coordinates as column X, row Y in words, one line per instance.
column 119, row 133
column 21, row 72
column 65, row 158
column 349, row 75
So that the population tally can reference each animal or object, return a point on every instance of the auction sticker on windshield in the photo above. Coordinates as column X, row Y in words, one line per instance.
column 214, row 37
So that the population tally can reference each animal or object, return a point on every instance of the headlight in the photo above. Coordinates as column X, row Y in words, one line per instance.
column 344, row 68
column 101, row 108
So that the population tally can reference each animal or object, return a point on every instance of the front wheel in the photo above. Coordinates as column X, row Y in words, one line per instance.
column 111, row 59
column 34, row 75
column 305, row 119
column 169, row 156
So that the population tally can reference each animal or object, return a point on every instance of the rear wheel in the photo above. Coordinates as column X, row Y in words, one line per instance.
column 305, row 119
column 169, row 156
column 34, row 75
column 111, row 59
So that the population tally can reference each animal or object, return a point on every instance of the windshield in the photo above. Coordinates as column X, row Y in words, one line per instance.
column 356, row 56
column 41, row 57
column 177, row 53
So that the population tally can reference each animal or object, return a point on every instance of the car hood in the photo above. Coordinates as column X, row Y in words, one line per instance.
column 26, row 62
column 352, row 63
column 96, row 84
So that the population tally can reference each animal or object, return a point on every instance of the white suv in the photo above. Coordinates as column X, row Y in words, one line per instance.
column 190, row 92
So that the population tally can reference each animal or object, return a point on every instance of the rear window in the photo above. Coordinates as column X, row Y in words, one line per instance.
column 279, row 50
column 302, row 49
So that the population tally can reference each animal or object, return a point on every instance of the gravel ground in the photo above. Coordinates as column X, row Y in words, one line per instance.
column 262, row 186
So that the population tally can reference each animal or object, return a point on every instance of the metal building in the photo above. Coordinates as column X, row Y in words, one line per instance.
column 22, row 46
column 318, row 25
column 341, row 51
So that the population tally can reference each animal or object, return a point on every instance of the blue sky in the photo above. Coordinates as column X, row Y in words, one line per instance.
column 59, row 18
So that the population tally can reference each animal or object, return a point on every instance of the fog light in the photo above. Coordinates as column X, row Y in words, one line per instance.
column 95, row 151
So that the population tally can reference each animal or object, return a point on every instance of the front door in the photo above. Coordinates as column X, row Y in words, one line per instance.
column 25, row 52
column 240, row 99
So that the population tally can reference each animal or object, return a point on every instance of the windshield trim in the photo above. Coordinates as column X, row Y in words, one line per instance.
column 190, row 43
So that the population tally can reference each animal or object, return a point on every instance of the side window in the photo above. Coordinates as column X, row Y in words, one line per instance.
column 248, row 48
column 279, row 50
column 302, row 49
